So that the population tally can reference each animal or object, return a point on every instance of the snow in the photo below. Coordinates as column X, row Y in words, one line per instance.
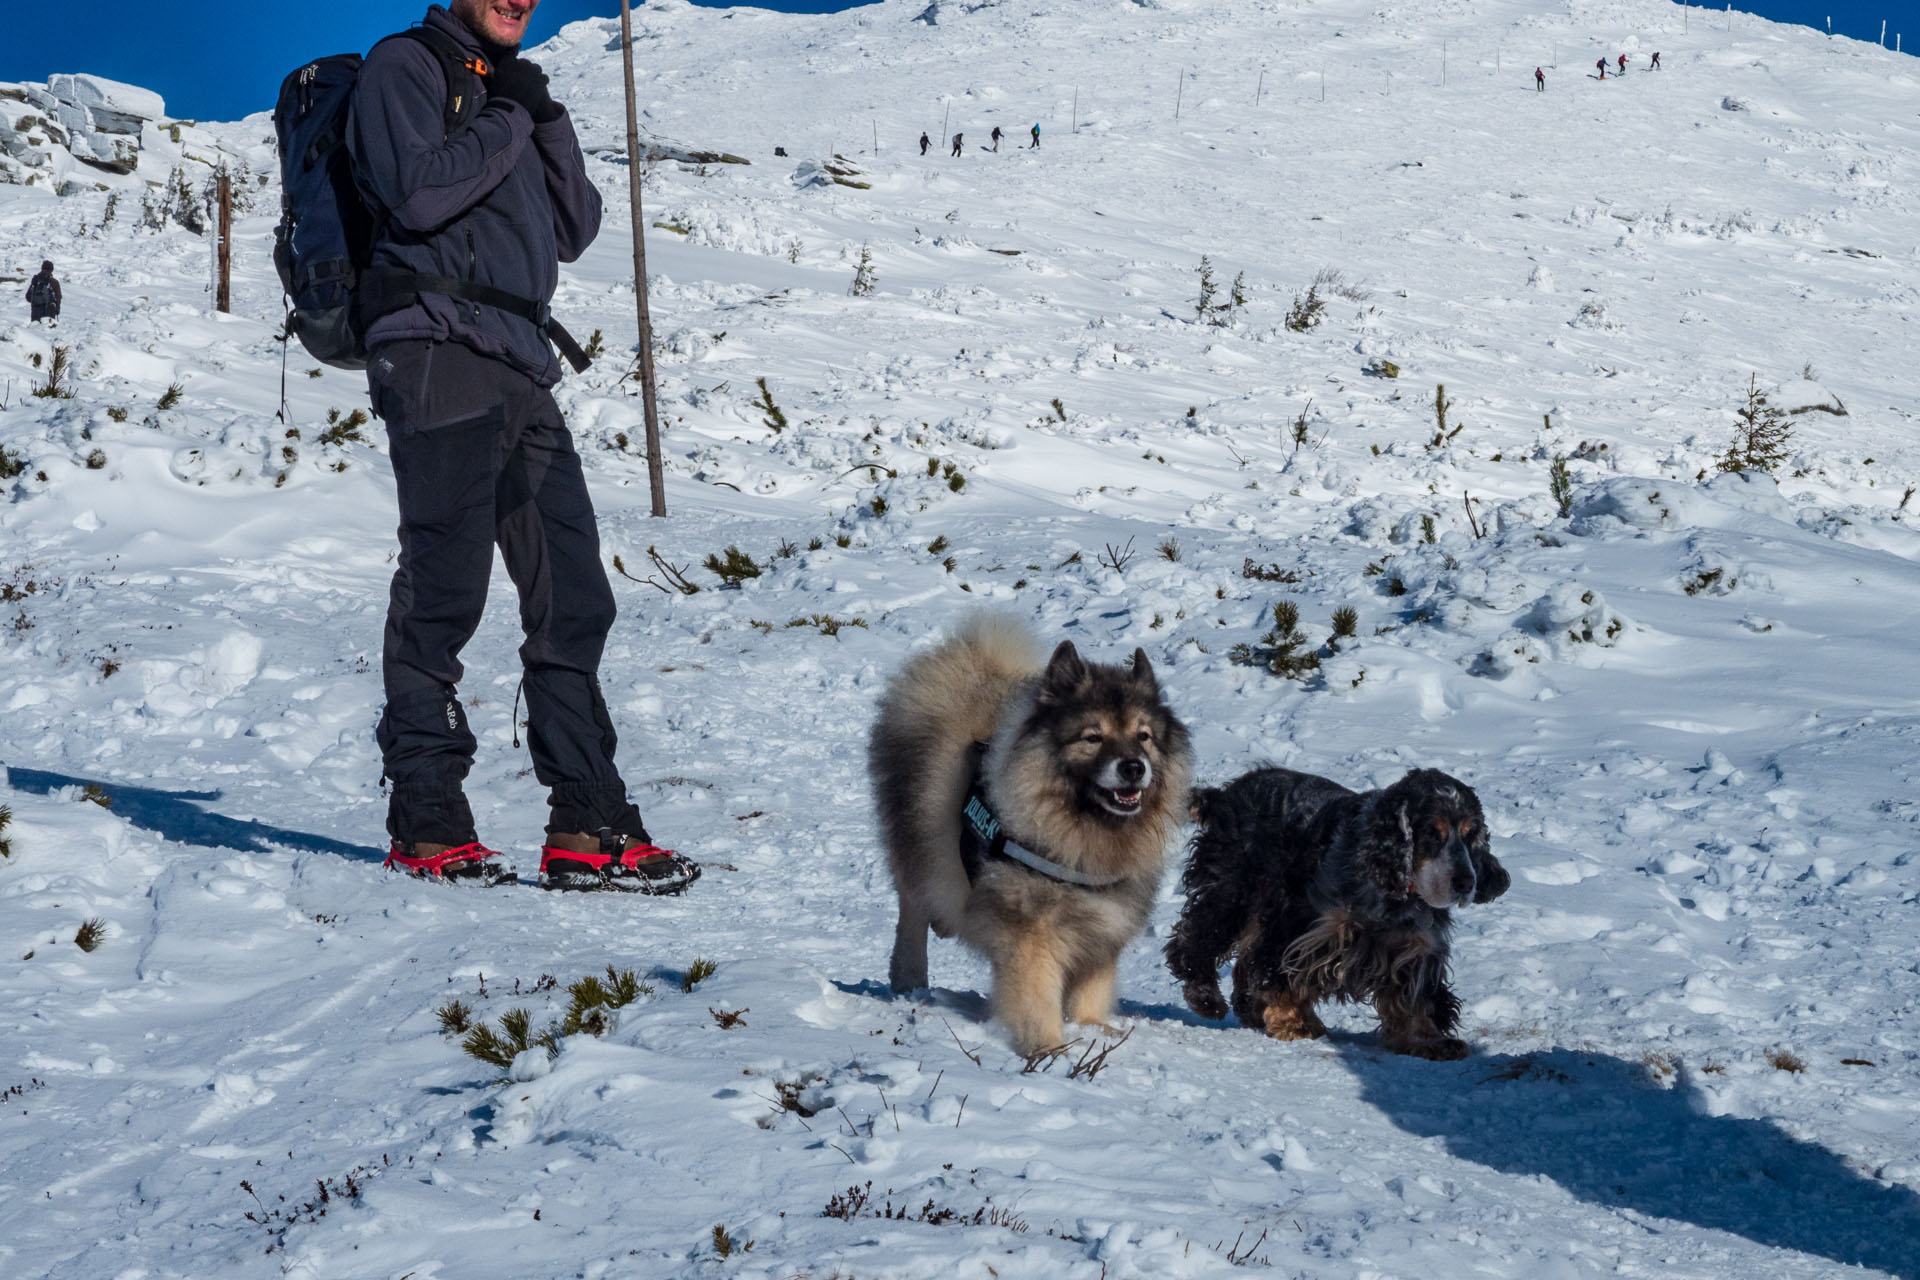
column 1685, row 705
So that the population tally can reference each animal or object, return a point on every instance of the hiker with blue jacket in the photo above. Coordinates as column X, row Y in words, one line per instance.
column 481, row 454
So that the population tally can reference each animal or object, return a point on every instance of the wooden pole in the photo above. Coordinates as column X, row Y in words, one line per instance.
column 1260, row 84
column 656, row 476
column 1076, row 108
column 945, row 116
column 223, row 289
column 1178, row 89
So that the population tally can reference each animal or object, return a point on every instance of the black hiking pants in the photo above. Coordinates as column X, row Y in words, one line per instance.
column 481, row 457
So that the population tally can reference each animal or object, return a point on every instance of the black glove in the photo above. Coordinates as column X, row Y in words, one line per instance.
column 518, row 80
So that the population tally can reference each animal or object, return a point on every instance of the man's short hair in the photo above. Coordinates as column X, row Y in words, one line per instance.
column 46, row 266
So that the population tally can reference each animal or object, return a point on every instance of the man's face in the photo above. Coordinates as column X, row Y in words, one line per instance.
column 503, row 22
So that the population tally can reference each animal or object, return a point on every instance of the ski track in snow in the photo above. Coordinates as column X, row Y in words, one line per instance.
column 1687, row 707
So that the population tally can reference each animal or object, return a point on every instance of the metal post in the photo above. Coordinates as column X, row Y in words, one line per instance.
column 1262, row 83
column 656, row 477
column 1443, row 62
column 1323, row 84
column 945, row 116
column 1178, row 89
column 223, row 247
column 876, row 134
column 1076, row 108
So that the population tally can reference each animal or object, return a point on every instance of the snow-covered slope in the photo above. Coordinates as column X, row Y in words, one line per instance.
column 1686, row 704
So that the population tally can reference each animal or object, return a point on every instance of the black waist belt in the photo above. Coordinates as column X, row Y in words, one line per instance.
column 383, row 291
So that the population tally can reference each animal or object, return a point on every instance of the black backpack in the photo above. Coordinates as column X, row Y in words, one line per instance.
column 326, row 235
column 40, row 292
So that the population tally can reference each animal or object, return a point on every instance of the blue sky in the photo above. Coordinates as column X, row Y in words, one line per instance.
column 221, row 59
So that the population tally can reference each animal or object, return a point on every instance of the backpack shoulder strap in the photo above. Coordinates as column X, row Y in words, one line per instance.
column 461, row 70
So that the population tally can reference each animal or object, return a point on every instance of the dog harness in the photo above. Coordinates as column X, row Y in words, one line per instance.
column 984, row 839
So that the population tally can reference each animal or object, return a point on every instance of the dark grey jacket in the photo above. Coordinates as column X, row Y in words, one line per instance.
column 503, row 202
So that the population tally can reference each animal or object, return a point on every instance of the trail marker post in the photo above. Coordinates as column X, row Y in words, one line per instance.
column 1178, row 90
column 656, row 476
column 223, row 246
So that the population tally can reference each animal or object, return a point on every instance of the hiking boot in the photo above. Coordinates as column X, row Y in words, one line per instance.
column 582, row 861
column 464, row 864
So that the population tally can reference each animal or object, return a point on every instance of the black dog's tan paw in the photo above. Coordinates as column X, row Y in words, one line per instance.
column 1285, row 1020
column 1204, row 998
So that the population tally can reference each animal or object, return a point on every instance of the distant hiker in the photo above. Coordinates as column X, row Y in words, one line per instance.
column 925, row 142
column 1602, row 64
column 1539, row 80
column 1036, row 138
column 1623, row 64
column 996, row 137
column 1656, row 61
column 956, row 144
column 43, row 294
column 780, row 151
column 481, row 454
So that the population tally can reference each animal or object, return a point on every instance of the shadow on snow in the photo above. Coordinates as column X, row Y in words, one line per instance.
column 1611, row 1134
column 172, row 815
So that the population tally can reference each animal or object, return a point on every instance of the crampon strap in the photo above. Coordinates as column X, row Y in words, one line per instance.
column 438, row 864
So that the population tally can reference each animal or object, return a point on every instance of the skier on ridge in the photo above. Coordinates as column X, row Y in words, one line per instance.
column 1539, row 80
column 956, row 144
column 925, row 142
column 1602, row 64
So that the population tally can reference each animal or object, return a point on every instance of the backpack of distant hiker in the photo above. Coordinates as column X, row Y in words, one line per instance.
column 40, row 292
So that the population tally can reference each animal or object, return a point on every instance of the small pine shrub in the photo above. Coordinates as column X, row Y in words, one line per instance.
column 1560, row 484
column 1308, row 310
column 1761, row 431
column 938, row 545
column 1786, row 1060
column 725, row 1245
column 117, row 413
column 1279, row 649
column 1237, row 294
column 11, row 463
column 56, row 387
column 454, row 1017
column 596, row 345
column 1209, row 288
column 94, row 793
column 775, row 421
column 92, row 933
column 6, row 841
column 590, row 1000
column 1346, row 622
column 171, row 396
column 865, row 277
column 1169, row 549
column 515, row 1037
column 697, row 972
column 96, row 459
column 344, row 430
column 735, row 569
column 1428, row 532
column 1059, row 409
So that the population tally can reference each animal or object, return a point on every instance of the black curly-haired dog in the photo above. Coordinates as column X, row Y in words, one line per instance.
column 1321, row 893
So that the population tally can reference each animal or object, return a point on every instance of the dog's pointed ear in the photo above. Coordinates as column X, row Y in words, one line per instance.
column 1065, row 672
column 1143, row 672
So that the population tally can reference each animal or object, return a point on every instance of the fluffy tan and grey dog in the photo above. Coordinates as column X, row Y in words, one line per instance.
column 1027, row 808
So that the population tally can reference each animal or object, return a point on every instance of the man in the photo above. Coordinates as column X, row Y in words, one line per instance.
column 1539, row 80
column 43, row 295
column 480, row 452
column 1036, row 138
column 925, row 142
column 1602, row 64
column 996, row 138
column 1623, row 64
column 956, row 144
column 1656, row 60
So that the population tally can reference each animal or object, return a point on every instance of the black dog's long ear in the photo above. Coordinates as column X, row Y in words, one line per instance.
column 1065, row 672
column 1490, row 878
column 1143, row 672
column 1392, row 837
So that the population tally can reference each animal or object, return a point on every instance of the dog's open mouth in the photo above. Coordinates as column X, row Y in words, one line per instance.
column 1125, row 803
